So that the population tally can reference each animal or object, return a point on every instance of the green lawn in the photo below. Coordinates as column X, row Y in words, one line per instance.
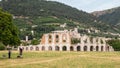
column 62, row 60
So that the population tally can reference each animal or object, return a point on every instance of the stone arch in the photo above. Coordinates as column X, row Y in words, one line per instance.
column 64, row 38
column 78, row 48
column 23, row 48
column 50, row 48
column 102, row 48
column 57, row 48
column 31, row 48
column 43, row 48
column 57, row 36
column 71, row 48
column 97, row 48
column 50, row 36
column 50, row 39
column 85, row 48
column 91, row 48
column 64, row 48
column 37, row 48
column 108, row 48
column 26, row 48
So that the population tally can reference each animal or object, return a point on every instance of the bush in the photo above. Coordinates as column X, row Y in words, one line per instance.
column 115, row 44
column 35, row 42
column 2, row 46
column 75, row 40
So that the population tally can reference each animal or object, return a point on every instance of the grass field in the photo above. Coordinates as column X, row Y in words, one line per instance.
column 62, row 60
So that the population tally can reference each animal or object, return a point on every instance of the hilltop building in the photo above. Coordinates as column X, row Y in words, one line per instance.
column 71, row 40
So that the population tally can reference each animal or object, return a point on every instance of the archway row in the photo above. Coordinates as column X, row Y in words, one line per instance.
column 64, row 48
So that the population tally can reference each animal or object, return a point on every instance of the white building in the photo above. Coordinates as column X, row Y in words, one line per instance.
column 62, row 41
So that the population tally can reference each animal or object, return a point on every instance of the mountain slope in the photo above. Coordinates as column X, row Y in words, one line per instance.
column 44, row 8
column 110, row 16
column 47, row 16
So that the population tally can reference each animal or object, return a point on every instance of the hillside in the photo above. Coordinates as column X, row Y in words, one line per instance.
column 100, row 13
column 45, row 8
column 42, row 16
column 110, row 16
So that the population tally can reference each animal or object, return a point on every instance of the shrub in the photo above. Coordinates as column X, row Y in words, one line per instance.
column 115, row 44
column 35, row 42
column 2, row 46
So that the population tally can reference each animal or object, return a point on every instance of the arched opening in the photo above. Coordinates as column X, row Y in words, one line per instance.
column 31, row 48
column 26, row 48
column 64, row 38
column 43, row 48
column 57, row 38
column 57, row 48
column 78, row 48
column 50, row 48
column 97, row 48
column 71, row 48
column 50, row 39
column 108, row 48
column 64, row 48
column 91, row 48
column 50, row 36
column 101, row 48
column 37, row 49
column 85, row 48
column 23, row 48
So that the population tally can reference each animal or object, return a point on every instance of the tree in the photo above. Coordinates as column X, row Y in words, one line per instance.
column 115, row 44
column 8, row 31
column 2, row 47
column 35, row 42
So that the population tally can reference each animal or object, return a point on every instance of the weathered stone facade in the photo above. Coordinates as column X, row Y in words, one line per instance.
column 61, row 41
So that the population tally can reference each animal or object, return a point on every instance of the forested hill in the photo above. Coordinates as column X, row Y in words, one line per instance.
column 46, row 16
column 45, row 8
column 110, row 16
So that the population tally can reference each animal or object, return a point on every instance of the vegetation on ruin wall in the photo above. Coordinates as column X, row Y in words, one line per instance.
column 115, row 44
column 75, row 41
column 35, row 42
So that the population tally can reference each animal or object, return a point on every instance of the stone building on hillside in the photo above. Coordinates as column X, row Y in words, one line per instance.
column 69, row 41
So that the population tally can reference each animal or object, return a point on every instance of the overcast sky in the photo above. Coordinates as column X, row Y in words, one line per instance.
column 91, row 5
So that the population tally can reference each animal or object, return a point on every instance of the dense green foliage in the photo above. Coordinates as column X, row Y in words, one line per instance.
column 115, row 44
column 75, row 41
column 2, row 46
column 35, row 42
column 8, row 31
column 41, row 25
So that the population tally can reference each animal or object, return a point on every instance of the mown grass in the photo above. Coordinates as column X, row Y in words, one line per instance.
column 62, row 60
